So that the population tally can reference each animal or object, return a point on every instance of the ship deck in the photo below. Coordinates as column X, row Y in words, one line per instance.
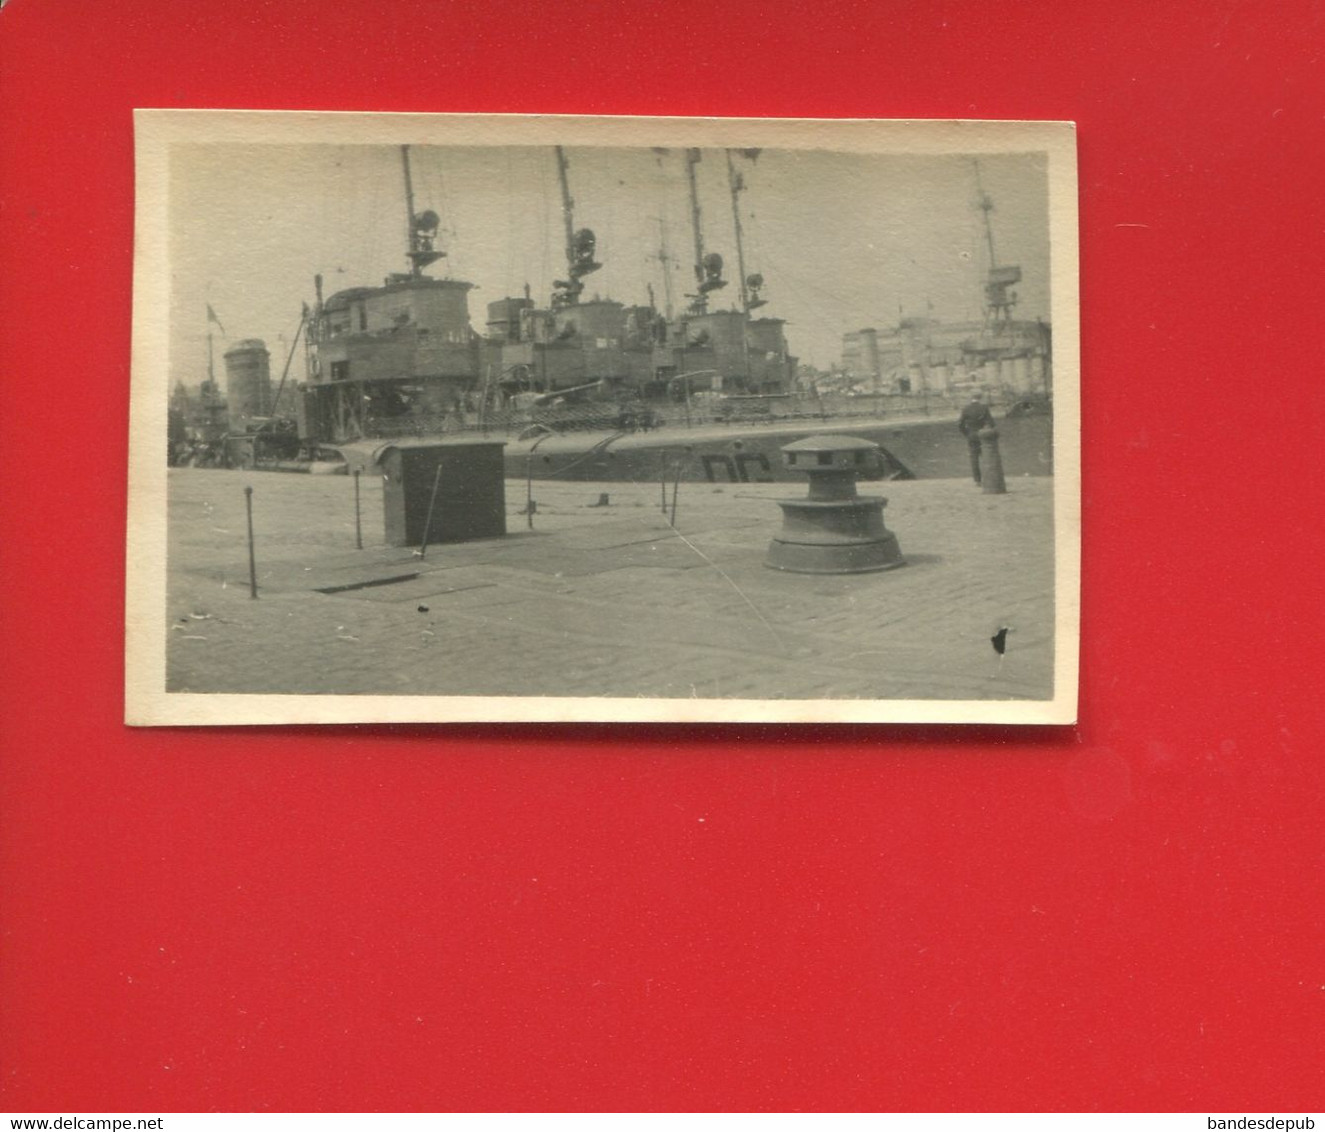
column 605, row 600
column 928, row 447
column 676, row 431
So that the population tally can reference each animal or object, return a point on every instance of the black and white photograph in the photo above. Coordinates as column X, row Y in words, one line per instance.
column 523, row 418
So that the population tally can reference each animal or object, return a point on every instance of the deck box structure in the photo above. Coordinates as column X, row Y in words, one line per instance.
column 470, row 491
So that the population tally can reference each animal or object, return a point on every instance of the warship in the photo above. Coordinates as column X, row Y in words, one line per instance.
column 585, row 387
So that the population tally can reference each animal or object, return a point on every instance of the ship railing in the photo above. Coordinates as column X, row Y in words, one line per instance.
column 595, row 417
column 751, row 412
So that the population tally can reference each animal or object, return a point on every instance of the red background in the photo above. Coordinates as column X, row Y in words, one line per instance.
column 1125, row 914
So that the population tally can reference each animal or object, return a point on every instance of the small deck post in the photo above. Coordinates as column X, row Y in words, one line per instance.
column 252, row 561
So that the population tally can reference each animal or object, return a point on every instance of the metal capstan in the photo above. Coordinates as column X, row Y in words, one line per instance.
column 833, row 530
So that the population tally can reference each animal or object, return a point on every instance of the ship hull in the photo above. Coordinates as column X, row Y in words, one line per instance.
column 927, row 448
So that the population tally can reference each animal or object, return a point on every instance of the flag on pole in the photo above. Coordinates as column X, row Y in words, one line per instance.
column 211, row 317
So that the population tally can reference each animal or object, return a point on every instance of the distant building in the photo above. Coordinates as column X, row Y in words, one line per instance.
column 926, row 355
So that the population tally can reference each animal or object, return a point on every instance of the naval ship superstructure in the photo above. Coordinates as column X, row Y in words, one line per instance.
column 403, row 358
column 577, row 384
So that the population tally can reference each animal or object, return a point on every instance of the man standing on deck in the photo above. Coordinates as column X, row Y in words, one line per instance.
column 974, row 417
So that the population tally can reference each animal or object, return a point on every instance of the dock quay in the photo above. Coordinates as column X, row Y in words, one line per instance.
column 602, row 597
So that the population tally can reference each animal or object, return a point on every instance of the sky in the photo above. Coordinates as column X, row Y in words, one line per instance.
column 843, row 240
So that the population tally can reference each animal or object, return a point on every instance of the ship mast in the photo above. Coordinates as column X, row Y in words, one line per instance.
column 567, row 208
column 999, row 298
column 692, row 159
column 698, row 301
column 420, row 227
column 737, row 184
column 664, row 258
column 409, row 207
column 750, row 284
column 986, row 205
column 708, row 268
column 580, row 245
